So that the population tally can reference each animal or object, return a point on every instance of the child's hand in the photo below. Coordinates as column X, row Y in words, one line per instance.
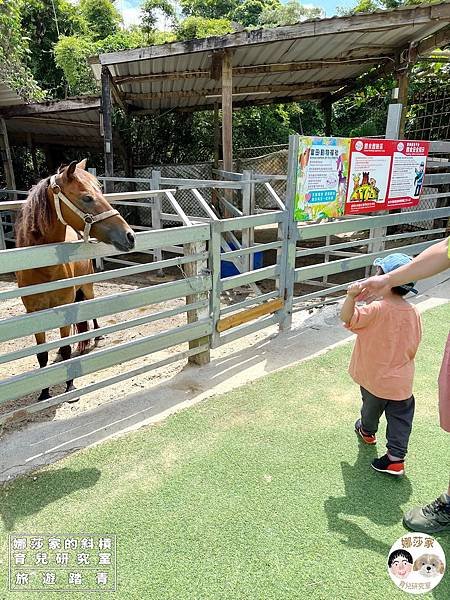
column 354, row 290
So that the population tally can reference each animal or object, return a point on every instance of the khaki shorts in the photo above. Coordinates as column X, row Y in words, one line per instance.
column 444, row 389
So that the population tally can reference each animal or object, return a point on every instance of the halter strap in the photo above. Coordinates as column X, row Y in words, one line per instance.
column 88, row 219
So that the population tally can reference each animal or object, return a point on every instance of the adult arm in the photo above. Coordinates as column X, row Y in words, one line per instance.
column 431, row 261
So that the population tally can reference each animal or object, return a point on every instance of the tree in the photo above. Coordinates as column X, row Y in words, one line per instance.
column 71, row 54
column 209, row 9
column 249, row 12
column 289, row 13
column 149, row 15
column 200, row 27
column 43, row 22
column 14, row 51
column 102, row 18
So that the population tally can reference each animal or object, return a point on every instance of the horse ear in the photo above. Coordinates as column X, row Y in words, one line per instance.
column 82, row 164
column 71, row 169
column 61, row 168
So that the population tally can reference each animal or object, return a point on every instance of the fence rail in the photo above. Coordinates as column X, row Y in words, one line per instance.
column 294, row 258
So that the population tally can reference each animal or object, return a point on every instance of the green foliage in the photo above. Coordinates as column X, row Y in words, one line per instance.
column 43, row 31
column 200, row 27
column 14, row 50
column 149, row 15
column 71, row 54
column 289, row 13
column 373, row 5
column 249, row 12
column 102, row 18
column 209, row 9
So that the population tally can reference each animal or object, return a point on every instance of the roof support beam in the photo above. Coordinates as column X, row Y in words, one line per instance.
column 5, row 151
column 227, row 111
column 269, row 69
column 41, row 108
column 134, row 110
column 107, row 128
column 242, row 91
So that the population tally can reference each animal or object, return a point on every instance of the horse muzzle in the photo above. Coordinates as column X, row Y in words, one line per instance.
column 120, row 236
column 123, row 240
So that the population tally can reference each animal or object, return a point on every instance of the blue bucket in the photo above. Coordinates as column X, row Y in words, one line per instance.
column 228, row 269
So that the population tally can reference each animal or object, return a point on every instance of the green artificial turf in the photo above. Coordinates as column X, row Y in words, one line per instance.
column 262, row 493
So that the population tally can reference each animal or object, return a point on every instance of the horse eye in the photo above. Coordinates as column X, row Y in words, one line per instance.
column 88, row 199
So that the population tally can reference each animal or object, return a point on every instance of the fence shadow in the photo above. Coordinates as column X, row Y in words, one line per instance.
column 49, row 487
column 369, row 495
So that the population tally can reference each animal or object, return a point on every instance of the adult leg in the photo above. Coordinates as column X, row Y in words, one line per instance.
column 435, row 517
column 399, row 416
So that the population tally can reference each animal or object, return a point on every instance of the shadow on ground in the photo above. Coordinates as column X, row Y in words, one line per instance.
column 49, row 487
column 372, row 495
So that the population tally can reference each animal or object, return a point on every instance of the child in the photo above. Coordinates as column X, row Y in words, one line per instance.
column 389, row 333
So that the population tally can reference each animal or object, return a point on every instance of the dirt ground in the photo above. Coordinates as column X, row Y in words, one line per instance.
column 14, row 307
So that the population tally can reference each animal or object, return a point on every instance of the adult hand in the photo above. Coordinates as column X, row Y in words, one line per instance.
column 374, row 288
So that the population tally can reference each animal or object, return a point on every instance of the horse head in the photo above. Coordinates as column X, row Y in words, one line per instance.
column 80, row 203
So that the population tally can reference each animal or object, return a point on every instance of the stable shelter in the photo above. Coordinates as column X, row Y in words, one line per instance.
column 320, row 59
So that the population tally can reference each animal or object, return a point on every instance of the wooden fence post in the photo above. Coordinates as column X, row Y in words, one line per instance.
column 288, row 233
column 194, row 269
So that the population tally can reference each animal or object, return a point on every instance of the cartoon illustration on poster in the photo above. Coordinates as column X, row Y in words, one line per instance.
column 385, row 174
column 408, row 173
column 322, row 173
column 370, row 165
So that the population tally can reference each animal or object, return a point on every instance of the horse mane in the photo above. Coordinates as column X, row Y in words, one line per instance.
column 36, row 216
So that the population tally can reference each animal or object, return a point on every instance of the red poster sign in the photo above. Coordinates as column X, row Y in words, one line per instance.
column 385, row 174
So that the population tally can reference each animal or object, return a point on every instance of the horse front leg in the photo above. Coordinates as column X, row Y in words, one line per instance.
column 66, row 353
column 42, row 360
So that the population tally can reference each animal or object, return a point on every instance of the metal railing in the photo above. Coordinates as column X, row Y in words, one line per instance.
column 215, row 315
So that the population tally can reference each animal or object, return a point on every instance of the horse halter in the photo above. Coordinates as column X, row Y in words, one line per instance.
column 88, row 219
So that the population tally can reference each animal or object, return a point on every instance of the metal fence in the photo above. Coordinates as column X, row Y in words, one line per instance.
column 297, row 257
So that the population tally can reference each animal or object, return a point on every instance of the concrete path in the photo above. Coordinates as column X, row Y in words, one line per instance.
column 43, row 443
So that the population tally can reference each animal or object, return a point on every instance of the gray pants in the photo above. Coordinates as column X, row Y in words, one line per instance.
column 399, row 417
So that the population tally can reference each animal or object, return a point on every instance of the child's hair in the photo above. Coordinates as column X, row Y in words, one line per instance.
column 397, row 554
column 397, row 290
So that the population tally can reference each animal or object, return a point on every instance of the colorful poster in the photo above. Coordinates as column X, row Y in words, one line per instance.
column 321, row 184
column 370, row 165
column 385, row 174
column 408, row 173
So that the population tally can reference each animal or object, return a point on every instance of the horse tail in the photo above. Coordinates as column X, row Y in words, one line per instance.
column 83, row 326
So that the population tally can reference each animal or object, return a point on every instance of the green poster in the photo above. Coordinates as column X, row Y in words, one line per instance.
column 322, row 175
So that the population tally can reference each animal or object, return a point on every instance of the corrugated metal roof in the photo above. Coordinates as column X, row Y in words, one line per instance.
column 310, row 59
column 8, row 97
column 72, row 122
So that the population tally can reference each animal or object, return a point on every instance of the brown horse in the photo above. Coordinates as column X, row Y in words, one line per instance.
column 56, row 208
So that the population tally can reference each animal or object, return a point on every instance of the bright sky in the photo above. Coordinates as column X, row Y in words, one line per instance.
column 130, row 8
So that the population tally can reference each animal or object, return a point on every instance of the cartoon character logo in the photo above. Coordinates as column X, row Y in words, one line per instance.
column 429, row 565
column 418, row 179
column 400, row 563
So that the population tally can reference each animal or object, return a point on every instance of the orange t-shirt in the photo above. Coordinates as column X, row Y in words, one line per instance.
column 383, row 357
